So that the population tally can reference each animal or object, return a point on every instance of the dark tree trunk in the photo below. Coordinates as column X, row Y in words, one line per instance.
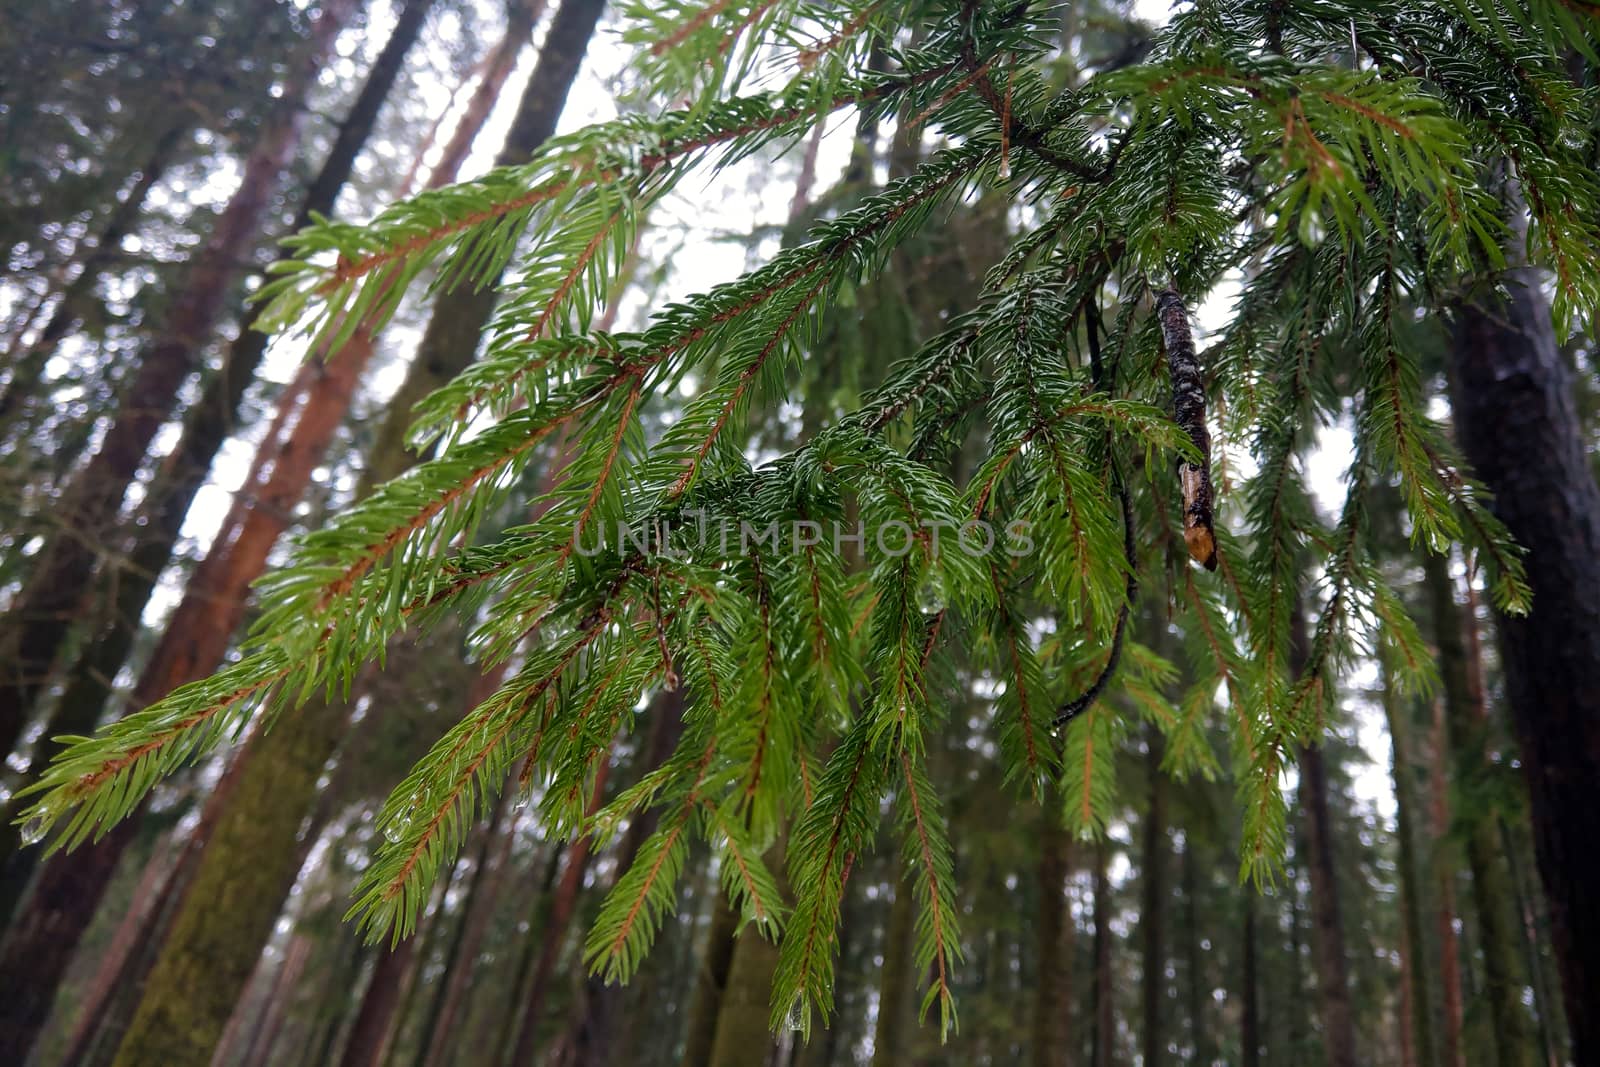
column 1327, row 922
column 601, row 1014
column 1052, row 1006
column 42, row 616
column 1152, row 913
column 1200, row 1034
column 1493, row 899
column 1415, row 945
column 897, row 978
column 1450, row 1050
column 1250, row 1007
column 1105, row 1018
column 369, row 1036
column 710, row 982
column 1512, row 398
column 461, row 955
column 558, row 920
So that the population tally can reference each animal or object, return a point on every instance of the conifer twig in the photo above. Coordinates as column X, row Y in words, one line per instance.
column 1130, row 551
column 1189, row 409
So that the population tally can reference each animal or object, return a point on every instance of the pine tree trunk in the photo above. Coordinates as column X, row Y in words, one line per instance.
column 1152, row 912
column 1327, row 927
column 558, row 920
column 1052, row 1006
column 34, row 629
column 1450, row 1050
column 368, row 1038
column 434, row 1043
column 251, row 863
column 1105, row 1017
column 198, row 633
column 1414, row 945
column 744, row 1034
column 897, row 979
column 1512, row 397
column 1249, row 981
column 1199, row 984
column 523, row 973
column 710, row 982
column 1492, row 896
column 594, row 1032
column 270, row 1025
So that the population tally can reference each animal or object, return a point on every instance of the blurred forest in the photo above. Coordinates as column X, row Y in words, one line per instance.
column 161, row 452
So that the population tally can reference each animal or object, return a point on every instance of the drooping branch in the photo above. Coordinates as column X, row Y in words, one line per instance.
column 1189, row 409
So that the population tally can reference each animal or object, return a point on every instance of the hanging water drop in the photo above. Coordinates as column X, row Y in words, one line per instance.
column 794, row 1019
column 33, row 830
column 395, row 830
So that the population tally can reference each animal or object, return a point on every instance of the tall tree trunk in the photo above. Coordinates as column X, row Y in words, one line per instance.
column 1493, row 899
column 1199, row 984
column 1105, row 1010
column 251, row 861
column 1249, row 981
column 523, row 972
column 558, row 920
column 710, row 983
column 1450, row 1050
column 368, row 1039
column 1152, row 913
column 1512, row 398
column 197, row 636
column 41, row 617
column 744, row 1035
column 1414, row 945
column 476, row 910
column 897, row 980
column 600, row 1014
column 1327, row 926
column 1052, row 1006
column 270, row 1025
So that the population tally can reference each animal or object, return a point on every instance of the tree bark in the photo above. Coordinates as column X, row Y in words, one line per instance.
column 1199, row 984
column 1105, row 1019
column 461, row 956
column 369, row 1036
column 1414, row 945
column 554, row 935
column 897, row 979
column 710, row 982
column 1249, row 981
column 1052, row 1006
column 744, row 1035
column 1450, row 1050
column 1493, row 898
column 1327, row 926
column 1514, row 411
column 197, row 635
column 600, row 1014
column 1152, row 913
column 42, row 616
